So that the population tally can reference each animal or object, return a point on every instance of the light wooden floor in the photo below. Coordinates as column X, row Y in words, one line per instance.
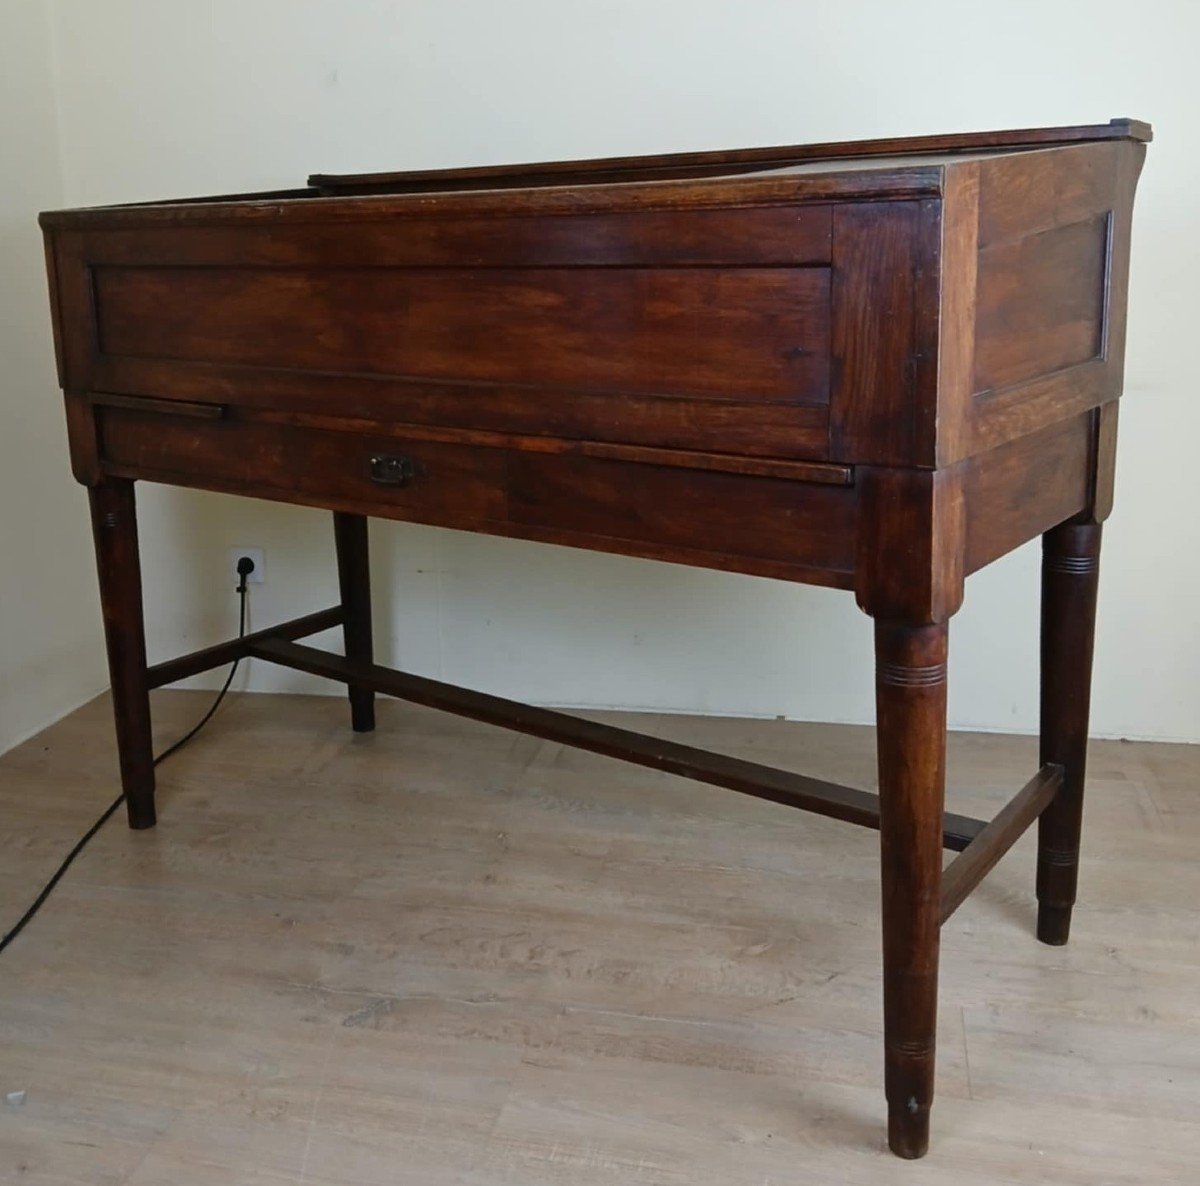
column 444, row 953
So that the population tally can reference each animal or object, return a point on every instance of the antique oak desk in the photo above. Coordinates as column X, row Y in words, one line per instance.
column 877, row 366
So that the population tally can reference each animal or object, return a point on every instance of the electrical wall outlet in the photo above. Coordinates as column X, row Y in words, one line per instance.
column 260, row 565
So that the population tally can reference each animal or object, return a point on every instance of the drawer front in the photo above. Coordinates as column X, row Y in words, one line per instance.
column 762, row 521
column 777, row 526
column 453, row 484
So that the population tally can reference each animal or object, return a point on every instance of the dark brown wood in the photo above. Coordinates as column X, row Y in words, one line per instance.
column 1026, row 195
column 1018, row 490
column 1040, row 303
column 162, row 407
column 910, row 693
column 981, row 856
column 884, row 340
column 881, row 181
column 754, row 334
column 114, row 529
column 1054, row 231
column 744, row 237
column 1070, row 579
column 873, row 365
column 958, row 267
column 354, row 581
column 760, row 524
column 796, row 471
column 822, row 473
column 762, row 521
column 768, row 429
column 221, row 653
column 694, row 164
column 749, row 778
column 1104, row 462
column 911, row 543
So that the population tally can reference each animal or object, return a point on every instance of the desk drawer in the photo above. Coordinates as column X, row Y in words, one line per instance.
column 422, row 480
column 672, row 506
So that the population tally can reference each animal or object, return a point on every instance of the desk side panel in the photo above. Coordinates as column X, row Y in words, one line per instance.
column 1034, row 289
column 73, row 318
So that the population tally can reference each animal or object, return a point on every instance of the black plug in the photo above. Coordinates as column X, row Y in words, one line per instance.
column 245, row 566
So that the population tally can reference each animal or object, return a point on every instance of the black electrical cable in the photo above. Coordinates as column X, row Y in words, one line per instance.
column 82, row 843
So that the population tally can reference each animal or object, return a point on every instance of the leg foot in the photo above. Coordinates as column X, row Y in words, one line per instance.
column 1070, row 577
column 908, row 1132
column 1053, row 924
column 354, row 580
column 114, row 529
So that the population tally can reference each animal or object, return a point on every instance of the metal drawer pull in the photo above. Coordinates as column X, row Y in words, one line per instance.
column 392, row 470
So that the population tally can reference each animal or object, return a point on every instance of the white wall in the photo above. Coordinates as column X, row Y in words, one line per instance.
column 167, row 99
column 51, row 657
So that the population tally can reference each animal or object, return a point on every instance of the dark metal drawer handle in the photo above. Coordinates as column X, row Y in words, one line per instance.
column 392, row 470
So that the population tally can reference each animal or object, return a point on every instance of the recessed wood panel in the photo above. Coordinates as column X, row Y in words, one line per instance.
column 1040, row 304
column 742, row 333
column 1025, row 487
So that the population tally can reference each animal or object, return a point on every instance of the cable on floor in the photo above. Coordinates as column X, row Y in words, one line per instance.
column 83, row 841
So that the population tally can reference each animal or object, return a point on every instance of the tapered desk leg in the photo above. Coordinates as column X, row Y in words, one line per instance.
column 354, row 579
column 114, row 528
column 910, row 690
column 1070, row 575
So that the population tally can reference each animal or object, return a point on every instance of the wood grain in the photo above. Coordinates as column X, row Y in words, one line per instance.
column 736, row 333
column 1070, row 583
column 771, row 429
column 783, row 235
column 748, row 517
column 884, row 392
column 754, row 521
column 351, row 545
column 1040, row 303
column 910, row 715
column 718, row 163
column 982, row 855
column 1023, row 488
column 119, row 573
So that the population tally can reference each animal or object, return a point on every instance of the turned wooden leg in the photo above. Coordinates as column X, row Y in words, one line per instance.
column 114, row 528
column 1070, row 575
column 354, row 579
column 910, row 692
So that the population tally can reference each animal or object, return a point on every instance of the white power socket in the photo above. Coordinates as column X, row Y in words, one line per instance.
column 258, row 576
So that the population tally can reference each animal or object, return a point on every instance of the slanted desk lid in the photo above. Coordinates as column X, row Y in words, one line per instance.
column 682, row 166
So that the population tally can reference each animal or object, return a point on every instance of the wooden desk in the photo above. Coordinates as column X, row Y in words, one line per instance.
column 876, row 366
